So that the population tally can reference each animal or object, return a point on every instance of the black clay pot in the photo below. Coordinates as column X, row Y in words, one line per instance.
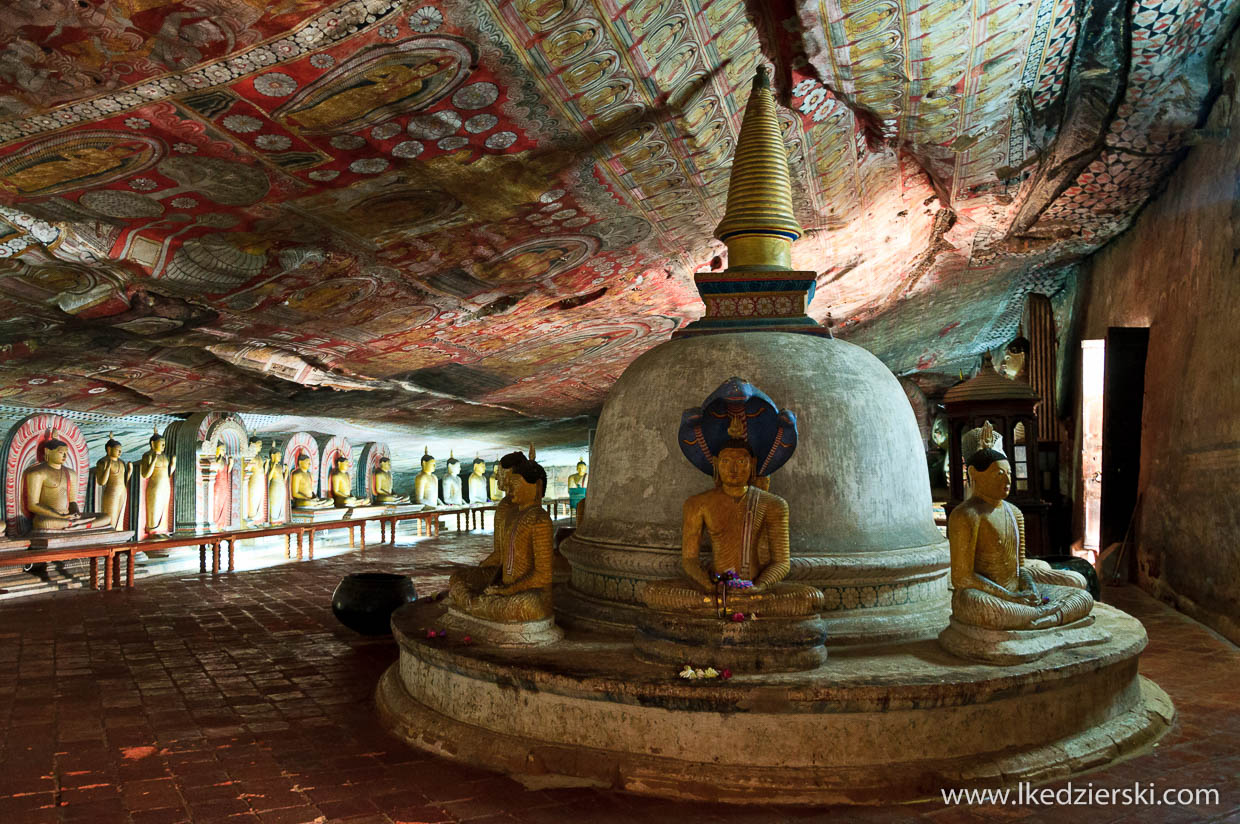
column 1075, row 564
column 364, row 601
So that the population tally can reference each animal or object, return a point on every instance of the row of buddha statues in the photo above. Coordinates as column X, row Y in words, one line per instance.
column 256, row 481
column 996, row 588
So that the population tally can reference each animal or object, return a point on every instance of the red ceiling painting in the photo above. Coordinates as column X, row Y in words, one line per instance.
column 486, row 210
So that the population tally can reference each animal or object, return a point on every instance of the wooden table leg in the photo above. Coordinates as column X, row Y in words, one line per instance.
column 94, row 570
column 128, row 568
column 362, row 529
column 310, row 546
column 215, row 558
column 108, row 567
column 232, row 553
column 352, row 543
column 288, row 545
column 202, row 558
column 301, row 533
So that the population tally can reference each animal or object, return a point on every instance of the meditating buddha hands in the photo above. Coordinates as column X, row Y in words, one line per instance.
column 993, row 585
column 513, row 584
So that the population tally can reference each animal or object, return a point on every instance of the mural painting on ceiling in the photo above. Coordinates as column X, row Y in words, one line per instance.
column 257, row 199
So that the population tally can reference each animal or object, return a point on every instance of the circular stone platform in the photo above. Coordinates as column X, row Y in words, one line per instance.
column 877, row 724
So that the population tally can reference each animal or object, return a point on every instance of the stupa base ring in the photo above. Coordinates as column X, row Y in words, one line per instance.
column 889, row 724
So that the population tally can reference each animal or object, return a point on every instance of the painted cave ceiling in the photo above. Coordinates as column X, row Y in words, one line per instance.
column 482, row 210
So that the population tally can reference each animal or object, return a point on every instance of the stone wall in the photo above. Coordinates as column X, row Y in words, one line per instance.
column 1176, row 272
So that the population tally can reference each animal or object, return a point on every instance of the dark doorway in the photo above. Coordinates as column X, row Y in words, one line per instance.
column 1122, row 404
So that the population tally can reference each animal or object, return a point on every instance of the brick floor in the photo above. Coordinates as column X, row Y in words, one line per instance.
column 240, row 699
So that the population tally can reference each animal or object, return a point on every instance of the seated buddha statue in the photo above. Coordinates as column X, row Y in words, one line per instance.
column 301, row 486
column 342, row 484
column 451, row 483
column 993, row 585
column 383, row 485
column 50, row 493
column 748, row 529
column 578, row 479
column 477, row 483
column 505, row 506
column 513, row 584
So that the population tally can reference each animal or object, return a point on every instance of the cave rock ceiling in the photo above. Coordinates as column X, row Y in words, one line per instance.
column 485, row 209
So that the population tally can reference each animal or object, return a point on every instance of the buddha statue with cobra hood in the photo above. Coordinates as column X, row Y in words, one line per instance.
column 746, row 525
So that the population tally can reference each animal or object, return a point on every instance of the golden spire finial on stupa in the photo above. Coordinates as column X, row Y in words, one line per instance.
column 759, row 225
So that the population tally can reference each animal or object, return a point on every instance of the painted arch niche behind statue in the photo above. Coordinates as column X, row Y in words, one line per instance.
column 23, row 448
column 220, row 486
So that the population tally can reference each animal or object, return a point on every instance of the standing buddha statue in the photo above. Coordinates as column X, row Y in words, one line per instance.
column 426, row 485
column 452, row 482
column 113, row 475
column 254, row 470
column 221, row 492
column 157, row 469
column 277, row 486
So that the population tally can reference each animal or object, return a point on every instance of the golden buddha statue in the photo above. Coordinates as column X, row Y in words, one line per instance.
column 342, row 484
column 383, row 485
column 505, row 507
column 578, row 479
column 477, row 486
column 513, row 584
column 993, row 585
column 157, row 469
column 452, row 482
column 50, row 494
column 748, row 529
column 113, row 475
column 426, row 485
column 254, row 471
column 301, row 486
column 277, row 487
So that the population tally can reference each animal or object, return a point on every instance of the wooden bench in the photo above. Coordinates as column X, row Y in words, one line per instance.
column 287, row 530
column 429, row 519
column 203, row 540
column 344, row 523
column 25, row 557
column 475, row 516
